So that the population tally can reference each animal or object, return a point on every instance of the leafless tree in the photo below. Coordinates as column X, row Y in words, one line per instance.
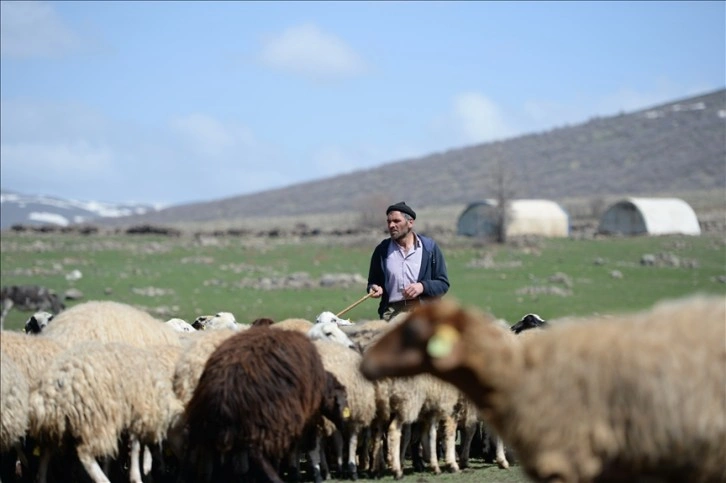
column 503, row 179
column 372, row 210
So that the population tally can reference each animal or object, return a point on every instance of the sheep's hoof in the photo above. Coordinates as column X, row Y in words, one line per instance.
column 352, row 471
column 398, row 475
column 317, row 475
column 453, row 468
column 503, row 464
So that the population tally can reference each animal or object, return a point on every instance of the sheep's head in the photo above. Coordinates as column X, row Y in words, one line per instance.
column 180, row 325
column 331, row 317
column 37, row 322
column 330, row 331
column 220, row 320
column 428, row 339
column 529, row 321
column 335, row 401
column 262, row 322
column 201, row 321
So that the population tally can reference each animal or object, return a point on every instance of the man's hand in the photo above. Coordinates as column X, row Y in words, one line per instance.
column 414, row 290
column 376, row 291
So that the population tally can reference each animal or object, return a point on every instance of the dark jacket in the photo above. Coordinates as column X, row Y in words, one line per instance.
column 433, row 274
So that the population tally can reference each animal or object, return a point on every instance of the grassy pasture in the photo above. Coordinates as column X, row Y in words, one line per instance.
column 181, row 277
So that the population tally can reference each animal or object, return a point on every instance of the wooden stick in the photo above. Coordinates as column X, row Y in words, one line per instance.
column 354, row 304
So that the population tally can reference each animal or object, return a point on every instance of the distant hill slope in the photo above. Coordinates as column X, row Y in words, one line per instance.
column 670, row 148
column 674, row 147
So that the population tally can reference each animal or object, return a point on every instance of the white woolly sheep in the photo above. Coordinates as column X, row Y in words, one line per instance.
column 299, row 325
column 330, row 331
column 13, row 411
column 344, row 364
column 220, row 320
column 31, row 354
column 331, row 317
column 191, row 361
column 85, row 394
column 617, row 398
column 180, row 325
column 106, row 321
column 404, row 401
column 37, row 322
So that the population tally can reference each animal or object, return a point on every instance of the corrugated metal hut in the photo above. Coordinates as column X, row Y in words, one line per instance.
column 649, row 216
column 526, row 217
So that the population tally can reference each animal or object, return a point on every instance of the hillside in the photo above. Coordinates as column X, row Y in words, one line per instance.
column 663, row 150
column 670, row 148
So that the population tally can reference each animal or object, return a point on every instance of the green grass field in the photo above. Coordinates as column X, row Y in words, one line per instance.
column 178, row 277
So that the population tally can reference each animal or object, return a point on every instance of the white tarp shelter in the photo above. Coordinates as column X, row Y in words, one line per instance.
column 650, row 216
column 526, row 217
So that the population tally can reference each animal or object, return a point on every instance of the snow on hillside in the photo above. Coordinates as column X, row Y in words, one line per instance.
column 17, row 208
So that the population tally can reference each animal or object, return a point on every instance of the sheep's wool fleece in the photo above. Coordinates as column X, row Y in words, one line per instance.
column 13, row 403
column 95, row 391
column 107, row 321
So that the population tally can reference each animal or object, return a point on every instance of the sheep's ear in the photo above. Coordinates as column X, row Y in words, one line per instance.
column 444, row 348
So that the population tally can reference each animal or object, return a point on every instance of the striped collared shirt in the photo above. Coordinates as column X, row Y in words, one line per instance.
column 402, row 269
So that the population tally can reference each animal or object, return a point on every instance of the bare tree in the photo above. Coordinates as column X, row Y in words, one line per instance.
column 503, row 179
column 372, row 210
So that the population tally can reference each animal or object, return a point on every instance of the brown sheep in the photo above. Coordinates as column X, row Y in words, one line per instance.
column 261, row 393
column 617, row 398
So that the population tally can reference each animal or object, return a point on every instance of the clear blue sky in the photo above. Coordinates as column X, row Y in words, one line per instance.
column 176, row 102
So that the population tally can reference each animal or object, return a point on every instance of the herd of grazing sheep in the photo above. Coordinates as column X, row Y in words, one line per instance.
column 105, row 392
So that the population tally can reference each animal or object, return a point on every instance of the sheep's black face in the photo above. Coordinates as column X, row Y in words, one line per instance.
column 200, row 323
column 529, row 321
column 335, row 402
column 37, row 322
column 32, row 326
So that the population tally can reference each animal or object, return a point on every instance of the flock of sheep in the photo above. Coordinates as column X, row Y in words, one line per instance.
column 638, row 397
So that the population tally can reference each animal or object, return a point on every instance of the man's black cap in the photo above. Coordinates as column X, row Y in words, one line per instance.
column 403, row 208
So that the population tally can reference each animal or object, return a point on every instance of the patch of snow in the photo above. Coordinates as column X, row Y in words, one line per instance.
column 45, row 217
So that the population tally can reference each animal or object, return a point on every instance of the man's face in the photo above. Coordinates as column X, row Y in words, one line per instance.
column 398, row 225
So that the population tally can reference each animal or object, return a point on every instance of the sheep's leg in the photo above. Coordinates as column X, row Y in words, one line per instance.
column 147, row 460
column 92, row 467
column 405, row 440
column 314, row 456
column 293, row 461
column 376, row 466
column 336, row 440
column 501, row 456
column 450, row 444
column 413, row 439
column 42, row 475
column 134, row 469
column 467, row 436
column 351, row 467
column 428, row 437
column 21, row 461
column 363, row 454
column 394, row 448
